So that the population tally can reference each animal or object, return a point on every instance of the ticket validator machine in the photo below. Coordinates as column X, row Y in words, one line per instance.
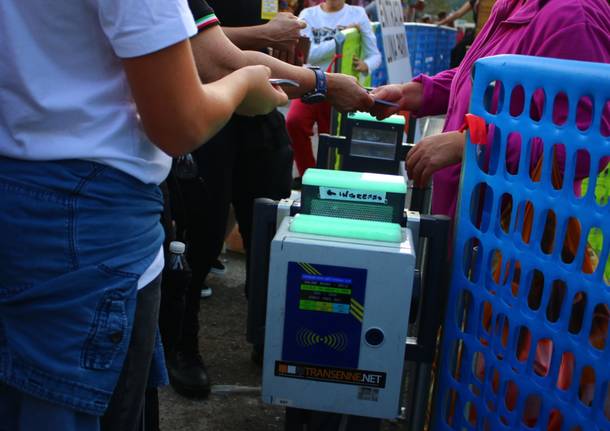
column 339, row 294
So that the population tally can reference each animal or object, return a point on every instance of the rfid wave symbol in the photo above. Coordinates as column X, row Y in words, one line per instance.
column 308, row 338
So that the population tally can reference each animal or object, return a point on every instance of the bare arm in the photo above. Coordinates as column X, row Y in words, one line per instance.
column 456, row 15
column 216, row 56
column 254, row 37
column 282, row 33
column 177, row 112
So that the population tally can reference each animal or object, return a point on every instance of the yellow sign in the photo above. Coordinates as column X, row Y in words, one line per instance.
column 269, row 9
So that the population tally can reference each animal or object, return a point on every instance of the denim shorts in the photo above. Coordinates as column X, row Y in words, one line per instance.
column 75, row 237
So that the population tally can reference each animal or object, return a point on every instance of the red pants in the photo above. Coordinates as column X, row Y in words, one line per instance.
column 299, row 122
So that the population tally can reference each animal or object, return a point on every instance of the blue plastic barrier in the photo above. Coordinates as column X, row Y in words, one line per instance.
column 525, row 341
column 379, row 76
column 429, row 50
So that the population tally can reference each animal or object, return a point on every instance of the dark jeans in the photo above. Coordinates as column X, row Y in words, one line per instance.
column 248, row 159
column 126, row 406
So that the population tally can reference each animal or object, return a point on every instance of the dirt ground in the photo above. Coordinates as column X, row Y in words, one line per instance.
column 234, row 404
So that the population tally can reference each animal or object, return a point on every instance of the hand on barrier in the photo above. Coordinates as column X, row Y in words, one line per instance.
column 407, row 96
column 284, row 31
column 262, row 97
column 345, row 94
column 433, row 153
column 360, row 66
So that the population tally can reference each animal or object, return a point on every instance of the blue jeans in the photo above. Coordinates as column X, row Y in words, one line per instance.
column 19, row 411
column 75, row 238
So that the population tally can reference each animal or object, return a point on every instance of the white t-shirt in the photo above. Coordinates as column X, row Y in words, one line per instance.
column 63, row 91
column 322, row 27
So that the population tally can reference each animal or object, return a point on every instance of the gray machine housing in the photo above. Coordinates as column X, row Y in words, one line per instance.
column 389, row 280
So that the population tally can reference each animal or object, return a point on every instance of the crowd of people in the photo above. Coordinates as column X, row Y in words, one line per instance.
column 97, row 97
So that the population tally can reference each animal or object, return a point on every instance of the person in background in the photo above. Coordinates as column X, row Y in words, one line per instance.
column 89, row 118
column 231, row 171
column 458, row 52
column 323, row 23
column 470, row 5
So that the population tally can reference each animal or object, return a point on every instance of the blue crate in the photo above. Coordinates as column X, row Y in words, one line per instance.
column 429, row 50
column 492, row 375
column 429, row 47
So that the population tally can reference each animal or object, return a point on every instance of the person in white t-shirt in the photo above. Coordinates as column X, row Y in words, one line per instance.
column 95, row 98
column 324, row 21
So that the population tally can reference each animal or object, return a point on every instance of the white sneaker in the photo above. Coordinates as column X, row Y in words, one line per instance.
column 206, row 292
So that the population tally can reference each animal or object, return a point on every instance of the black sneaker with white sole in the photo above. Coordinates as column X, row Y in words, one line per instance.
column 218, row 267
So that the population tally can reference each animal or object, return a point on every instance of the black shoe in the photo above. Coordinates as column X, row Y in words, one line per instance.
column 297, row 183
column 188, row 375
column 218, row 268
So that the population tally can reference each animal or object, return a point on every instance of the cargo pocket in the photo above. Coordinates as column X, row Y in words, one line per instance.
column 108, row 336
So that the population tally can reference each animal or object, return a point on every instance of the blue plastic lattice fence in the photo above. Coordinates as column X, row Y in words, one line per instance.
column 429, row 50
column 525, row 338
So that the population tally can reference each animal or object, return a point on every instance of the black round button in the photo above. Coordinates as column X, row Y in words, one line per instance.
column 116, row 337
column 374, row 336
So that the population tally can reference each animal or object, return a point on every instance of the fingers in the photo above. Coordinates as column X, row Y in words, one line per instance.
column 380, row 112
column 290, row 56
column 302, row 24
column 386, row 93
column 425, row 176
column 413, row 158
column 417, row 169
column 282, row 97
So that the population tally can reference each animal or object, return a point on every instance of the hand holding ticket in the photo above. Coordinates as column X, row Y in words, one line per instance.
column 386, row 103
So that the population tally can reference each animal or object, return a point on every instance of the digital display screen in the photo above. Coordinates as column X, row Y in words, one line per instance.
column 373, row 143
column 325, row 294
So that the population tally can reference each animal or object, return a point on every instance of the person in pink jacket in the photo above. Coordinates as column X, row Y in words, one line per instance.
column 569, row 29
column 574, row 29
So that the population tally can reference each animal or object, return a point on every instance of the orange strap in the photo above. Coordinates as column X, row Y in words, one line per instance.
column 477, row 128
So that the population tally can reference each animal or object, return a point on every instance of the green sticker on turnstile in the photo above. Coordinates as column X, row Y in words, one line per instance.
column 358, row 181
column 346, row 228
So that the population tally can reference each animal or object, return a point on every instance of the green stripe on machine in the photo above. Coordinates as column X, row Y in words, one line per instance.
column 346, row 228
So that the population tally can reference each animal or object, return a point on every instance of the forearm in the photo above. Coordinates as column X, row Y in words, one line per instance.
column 177, row 112
column 254, row 37
column 214, row 44
column 435, row 94
column 196, row 122
column 279, row 69
column 215, row 55
column 457, row 14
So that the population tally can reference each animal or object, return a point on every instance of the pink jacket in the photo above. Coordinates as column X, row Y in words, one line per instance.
column 570, row 29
